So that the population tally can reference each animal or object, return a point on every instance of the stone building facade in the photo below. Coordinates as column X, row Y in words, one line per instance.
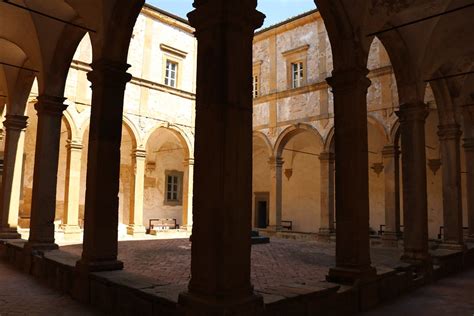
column 157, row 137
column 293, row 133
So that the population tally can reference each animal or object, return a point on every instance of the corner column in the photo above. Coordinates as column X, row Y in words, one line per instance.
column 43, row 201
column 391, row 234
column 326, row 162
column 221, row 244
column 136, row 228
column 352, row 183
column 276, row 187
column 415, row 204
column 15, row 126
column 468, row 147
column 100, row 245
column 70, row 224
column 450, row 138
column 188, row 194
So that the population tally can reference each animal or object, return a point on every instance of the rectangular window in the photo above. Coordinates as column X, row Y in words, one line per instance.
column 174, row 184
column 171, row 74
column 256, row 87
column 297, row 75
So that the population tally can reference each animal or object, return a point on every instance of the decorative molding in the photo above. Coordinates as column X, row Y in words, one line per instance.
column 434, row 165
column 174, row 51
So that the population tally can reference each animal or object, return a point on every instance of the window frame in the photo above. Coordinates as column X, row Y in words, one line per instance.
column 298, row 56
column 168, row 72
column 180, row 176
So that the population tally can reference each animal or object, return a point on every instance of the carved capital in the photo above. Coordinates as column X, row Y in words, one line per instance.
column 74, row 144
column 189, row 162
column 275, row 162
column 15, row 122
column 139, row 153
column 468, row 144
column 417, row 111
column 109, row 72
column 50, row 105
column 351, row 79
column 449, row 131
column 390, row 151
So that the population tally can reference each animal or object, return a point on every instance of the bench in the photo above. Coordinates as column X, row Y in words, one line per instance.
column 287, row 225
column 163, row 223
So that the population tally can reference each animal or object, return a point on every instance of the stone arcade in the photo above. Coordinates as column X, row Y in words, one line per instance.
column 362, row 117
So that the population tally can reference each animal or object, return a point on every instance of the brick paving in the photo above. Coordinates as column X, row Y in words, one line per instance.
column 22, row 294
column 280, row 262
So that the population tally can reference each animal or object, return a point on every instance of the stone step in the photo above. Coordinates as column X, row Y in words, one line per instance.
column 260, row 240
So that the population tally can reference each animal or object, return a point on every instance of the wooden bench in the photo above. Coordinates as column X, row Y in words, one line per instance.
column 287, row 225
column 163, row 223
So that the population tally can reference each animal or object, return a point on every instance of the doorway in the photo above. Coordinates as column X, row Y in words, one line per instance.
column 261, row 209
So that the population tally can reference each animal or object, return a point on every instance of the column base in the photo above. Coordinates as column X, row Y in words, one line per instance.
column 416, row 258
column 31, row 246
column 325, row 234
column 85, row 266
column 9, row 233
column 456, row 246
column 470, row 239
column 192, row 304
column 71, row 232
column 350, row 275
column 136, row 230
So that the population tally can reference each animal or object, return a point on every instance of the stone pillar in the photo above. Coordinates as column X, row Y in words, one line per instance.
column 103, row 167
column 15, row 126
column 43, row 201
column 391, row 233
column 70, row 223
column 415, row 204
column 188, row 194
column 469, row 158
column 221, row 246
column 326, row 162
column 136, row 227
column 450, row 138
column 352, row 176
column 276, row 187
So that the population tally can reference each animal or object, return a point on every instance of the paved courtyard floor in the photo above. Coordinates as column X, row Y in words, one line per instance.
column 280, row 262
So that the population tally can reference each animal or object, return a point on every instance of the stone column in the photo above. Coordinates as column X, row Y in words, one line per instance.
column 72, row 191
column 352, row 176
column 326, row 162
column 469, row 158
column 136, row 227
column 188, row 194
column 450, row 138
column 103, row 167
column 43, row 201
column 468, row 148
column 415, row 204
column 391, row 234
column 15, row 126
column 221, row 246
column 275, row 198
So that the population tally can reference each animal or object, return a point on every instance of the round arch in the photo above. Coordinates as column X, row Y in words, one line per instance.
column 379, row 126
column 70, row 126
column 292, row 131
column 329, row 141
column 265, row 140
column 178, row 133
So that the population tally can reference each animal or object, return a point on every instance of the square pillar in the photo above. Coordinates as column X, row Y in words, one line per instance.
column 415, row 204
column 326, row 162
column 136, row 228
column 276, row 188
column 15, row 126
column 43, row 201
column 221, row 243
column 352, row 176
column 450, row 138
column 391, row 156
column 100, row 245
column 188, row 194
column 70, row 224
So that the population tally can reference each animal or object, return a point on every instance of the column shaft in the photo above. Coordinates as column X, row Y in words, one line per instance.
column 450, row 138
column 72, row 191
column 136, row 227
column 392, row 195
column 469, row 158
column 352, row 183
column 15, row 126
column 415, row 204
column 276, row 188
column 220, row 257
column 326, row 162
column 43, row 201
column 103, row 167
column 188, row 194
